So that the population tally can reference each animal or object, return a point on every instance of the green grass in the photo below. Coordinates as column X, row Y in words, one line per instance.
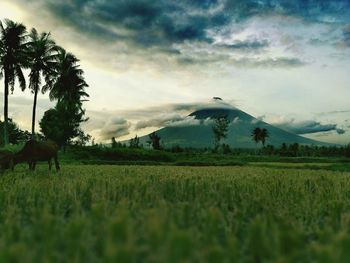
column 327, row 166
column 174, row 214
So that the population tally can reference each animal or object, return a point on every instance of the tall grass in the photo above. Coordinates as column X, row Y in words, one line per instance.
column 174, row 214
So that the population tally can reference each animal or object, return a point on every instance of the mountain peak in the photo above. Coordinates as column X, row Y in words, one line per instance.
column 239, row 134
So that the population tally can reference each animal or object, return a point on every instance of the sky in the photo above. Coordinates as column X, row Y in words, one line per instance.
column 150, row 63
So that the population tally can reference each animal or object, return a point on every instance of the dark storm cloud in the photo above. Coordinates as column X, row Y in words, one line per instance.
column 158, row 23
column 148, row 23
column 308, row 127
column 309, row 10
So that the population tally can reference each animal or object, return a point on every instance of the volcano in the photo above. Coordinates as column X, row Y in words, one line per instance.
column 239, row 133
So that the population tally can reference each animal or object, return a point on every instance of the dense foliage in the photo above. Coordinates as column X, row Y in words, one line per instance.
column 59, row 69
column 61, row 124
column 16, row 135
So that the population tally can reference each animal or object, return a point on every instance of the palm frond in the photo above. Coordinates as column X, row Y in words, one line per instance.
column 21, row 78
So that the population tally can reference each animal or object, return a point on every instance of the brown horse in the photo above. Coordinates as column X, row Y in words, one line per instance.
column 34, row 151
column 6, row 159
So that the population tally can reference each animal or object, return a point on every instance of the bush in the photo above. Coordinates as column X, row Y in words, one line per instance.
column 118, row 154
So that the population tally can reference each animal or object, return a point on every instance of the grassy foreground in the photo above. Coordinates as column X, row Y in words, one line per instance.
column 174, row 214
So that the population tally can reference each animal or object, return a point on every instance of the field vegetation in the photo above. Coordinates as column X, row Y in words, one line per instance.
column 91, row 213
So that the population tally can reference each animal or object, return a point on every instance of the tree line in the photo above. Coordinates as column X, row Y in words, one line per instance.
column 52, row 70
column 220, row 131
column 258, row 135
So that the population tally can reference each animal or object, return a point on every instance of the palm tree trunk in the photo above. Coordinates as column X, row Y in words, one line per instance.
column 34, row 110
column 6, row 93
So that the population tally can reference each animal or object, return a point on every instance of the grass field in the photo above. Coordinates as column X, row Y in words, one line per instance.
column 174, row 214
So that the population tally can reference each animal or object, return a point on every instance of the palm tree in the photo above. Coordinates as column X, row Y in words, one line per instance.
column 256, row 135
column 42, row 53
column 12, row 60
column 69, row 84
column 260, row 135
column 264, row 134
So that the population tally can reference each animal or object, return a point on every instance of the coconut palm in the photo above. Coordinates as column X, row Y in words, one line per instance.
column 12, row 60
column 42, row 53
column 264, row 134
column 256, row 135
column 260, row 135
column 69, row 85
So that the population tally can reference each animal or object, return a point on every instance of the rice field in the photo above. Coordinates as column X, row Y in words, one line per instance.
column 174, row 214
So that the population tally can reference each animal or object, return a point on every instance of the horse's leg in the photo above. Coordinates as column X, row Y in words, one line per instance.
column 34, row 163
column 56, row 163
column 50, row 164
column 30, row 165
column 12, row 166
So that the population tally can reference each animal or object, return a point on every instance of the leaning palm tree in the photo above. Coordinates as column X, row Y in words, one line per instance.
column 42, row 53
column 12, row 59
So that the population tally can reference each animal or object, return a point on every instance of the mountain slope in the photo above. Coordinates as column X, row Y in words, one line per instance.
column 239, row 134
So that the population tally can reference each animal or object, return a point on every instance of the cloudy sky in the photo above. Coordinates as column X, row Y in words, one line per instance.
column 150, row 63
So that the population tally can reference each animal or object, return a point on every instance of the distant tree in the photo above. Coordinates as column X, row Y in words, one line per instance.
column 284, row 149
column 42, row 55
column 294, row 149
column 269, row 149
column 264, row 135
column 114, row 143
column 220, row 130
column 134, row 142
column 347, row 150
column 176, row 149
column 260, row 135
column 12, row 60
column 82, row 138
column 226, row 149
column 256, row 135
column 155, row 140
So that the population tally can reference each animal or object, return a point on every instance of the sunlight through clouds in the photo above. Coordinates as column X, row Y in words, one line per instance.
column 10, row 11
column 288, row 59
